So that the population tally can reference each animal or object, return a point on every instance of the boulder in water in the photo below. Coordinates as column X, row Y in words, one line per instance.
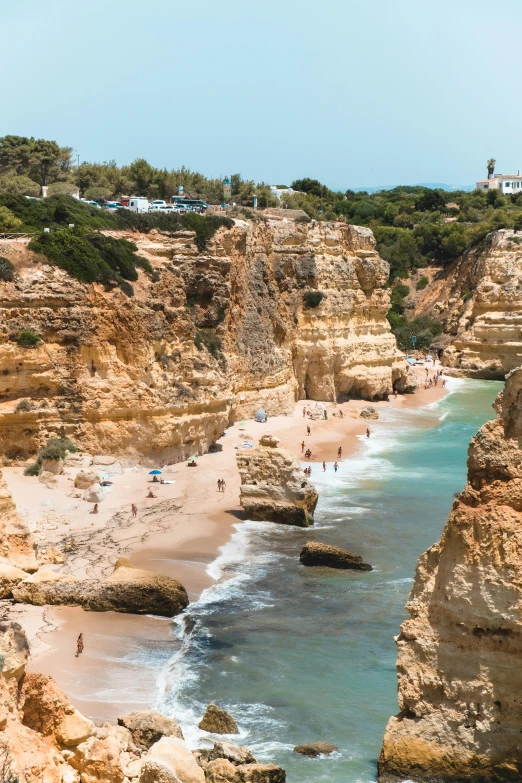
column 314, row 749
column 316, row 554
column 369, row 413
column 218, row 721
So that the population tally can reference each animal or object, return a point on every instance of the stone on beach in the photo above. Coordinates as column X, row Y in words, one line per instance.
column 314, row 553
column 314, row 749
column 369, row 412
column 149, row 726
column 94, row 494
column 274, row 487
column 86, row 479
column 218, row 721
column 54, row 466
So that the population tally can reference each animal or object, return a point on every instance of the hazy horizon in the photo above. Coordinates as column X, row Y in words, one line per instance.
column 353, row 95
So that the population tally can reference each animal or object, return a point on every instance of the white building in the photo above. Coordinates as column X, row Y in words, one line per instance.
column 506, row 183
column 280, row 192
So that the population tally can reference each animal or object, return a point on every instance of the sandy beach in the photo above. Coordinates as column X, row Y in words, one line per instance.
column 178, row 533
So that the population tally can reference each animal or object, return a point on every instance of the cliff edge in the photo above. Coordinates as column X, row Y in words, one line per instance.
column 459, row 674
column 271, row 311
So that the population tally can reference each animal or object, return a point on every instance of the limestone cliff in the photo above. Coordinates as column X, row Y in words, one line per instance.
column 206, row 339
column 479, row 300
column 460, row 680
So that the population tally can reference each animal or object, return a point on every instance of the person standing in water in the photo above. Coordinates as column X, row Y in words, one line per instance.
column 324, row 467
column 367, row 432
column 336, row 466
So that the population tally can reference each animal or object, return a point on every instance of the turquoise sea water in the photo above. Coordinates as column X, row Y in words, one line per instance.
column 301, row 655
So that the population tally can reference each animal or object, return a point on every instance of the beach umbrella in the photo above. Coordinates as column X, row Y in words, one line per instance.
column 154, row 472
column 192, row 459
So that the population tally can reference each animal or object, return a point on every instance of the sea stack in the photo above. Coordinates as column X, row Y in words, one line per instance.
column 274, row 487
column 459, row 653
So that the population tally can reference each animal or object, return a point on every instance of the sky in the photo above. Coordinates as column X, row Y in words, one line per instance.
column 353, row 93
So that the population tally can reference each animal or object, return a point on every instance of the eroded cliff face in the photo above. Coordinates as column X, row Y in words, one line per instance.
column 209, row 338
column 479, row 300
column 459, row 674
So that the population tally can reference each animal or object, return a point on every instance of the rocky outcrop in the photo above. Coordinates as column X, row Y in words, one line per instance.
column 85, row 479
column 127, row 589
column 234, row 754
column 208, row 338
column 170, row 761
column 459, row 651
column 478, row 300
column 149, row 727
column 218, row 721
column 274, row 487
column 314, row 749
column 314, row 553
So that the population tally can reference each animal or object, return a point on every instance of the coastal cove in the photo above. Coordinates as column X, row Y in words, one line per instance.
column 296, row 655
column 304, row 655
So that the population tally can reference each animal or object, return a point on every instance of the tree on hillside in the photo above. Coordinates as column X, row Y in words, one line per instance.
column 312, row 186
column 491, row 167
column 41, row 160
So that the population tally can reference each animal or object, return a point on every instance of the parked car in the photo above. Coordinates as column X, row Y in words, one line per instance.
column 91, row 203
column 138, row 204
column 112, row 206
column 158, row 202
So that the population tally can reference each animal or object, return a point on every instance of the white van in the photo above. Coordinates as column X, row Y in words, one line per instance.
column 138, row 204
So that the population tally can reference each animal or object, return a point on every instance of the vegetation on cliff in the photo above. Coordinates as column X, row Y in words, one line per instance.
column 91, row 257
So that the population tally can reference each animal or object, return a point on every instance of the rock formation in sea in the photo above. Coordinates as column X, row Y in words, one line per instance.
column 272, row 310
column 314, row 553
column 478, row 300
column 459, row 674
column 43, row 737
column 274, row 487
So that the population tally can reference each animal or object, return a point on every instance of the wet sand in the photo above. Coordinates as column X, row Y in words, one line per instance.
column 179, row 534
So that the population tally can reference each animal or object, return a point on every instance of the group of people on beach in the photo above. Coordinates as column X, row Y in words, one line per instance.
column 221, row 485
column 434, row 380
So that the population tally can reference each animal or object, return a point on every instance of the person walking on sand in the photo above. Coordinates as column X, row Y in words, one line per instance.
column 95, row 509
column 336, row 466
column 134, row 508
column 324, row 467
column 304, row 411
column 308, row 430
column 367, row 432
column 339, row 452
column 219, row 485
column 395, row 392
column 79, row 645
column 223, row 485
column 302, row 446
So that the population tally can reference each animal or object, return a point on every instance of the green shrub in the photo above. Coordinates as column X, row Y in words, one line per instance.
column 24, row 406
column 8, row 220
column 313, row 298
column 55, row 448
column 56, row 211
column 92, row 257
column 6, row 270
column 27, row 339
column 204, row 226
column 422, row 283
column 207, row 338
column 425, row 329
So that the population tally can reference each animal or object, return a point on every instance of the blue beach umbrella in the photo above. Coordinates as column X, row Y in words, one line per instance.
column 154, row 472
